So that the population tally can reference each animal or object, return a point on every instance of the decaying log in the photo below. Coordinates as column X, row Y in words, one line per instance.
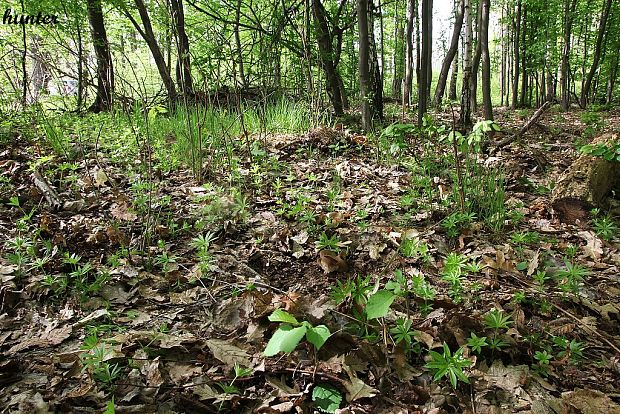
column 48, row 192
column 526, row 127
column 589, row 178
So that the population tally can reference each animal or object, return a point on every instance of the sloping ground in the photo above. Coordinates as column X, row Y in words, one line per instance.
column 85, row 319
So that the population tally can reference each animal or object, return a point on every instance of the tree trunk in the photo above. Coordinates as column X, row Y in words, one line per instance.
column 454, row 77
column 465, row 116
column 569, row 10
column 516, row 26
column 376, row 80
column 486, row 60
column 105, row 73
column 326, row 56
column 184, row 74
column 149, row 37
column 611, row 80
column 473, row 79
column 244, row 82
column 597, row 53
column 427, row 39
column 399, row 39
column 452, row 51
column 409, row 53
column 523, row 57
column 364, row 57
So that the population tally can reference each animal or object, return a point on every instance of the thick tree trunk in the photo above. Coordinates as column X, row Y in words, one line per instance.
column 184, row 74
column 486, row 60
column 569, row 10
column 465, row 116
column 149, row 37
column 326, row 56
column 409, row 53
column 105, row 73
column 597, row 53
column 364, row 57
column 427, row 39
column 452, row 51
column 516, row 26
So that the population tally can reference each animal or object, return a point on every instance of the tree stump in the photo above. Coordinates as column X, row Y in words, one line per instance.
column 589, row 178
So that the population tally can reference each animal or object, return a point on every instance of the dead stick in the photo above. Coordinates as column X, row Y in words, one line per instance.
column 525, row 127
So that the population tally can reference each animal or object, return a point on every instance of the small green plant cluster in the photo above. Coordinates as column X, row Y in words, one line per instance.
column 609, row 151
column 561, row 350
column 291, row 332
column 447, row 364
column 455, row 270
column 604, row 225
column 95, row 360
column 415, row 248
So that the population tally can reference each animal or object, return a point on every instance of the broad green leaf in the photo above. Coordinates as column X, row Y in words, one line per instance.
column 285, row 339
column 318, row 335
column 379, row 304
column 326, row 398
column 280, row 315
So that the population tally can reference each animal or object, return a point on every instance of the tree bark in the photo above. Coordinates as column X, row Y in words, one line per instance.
column 516, row 25
column 569, row 10
column 450, row 55
column 409, row 53
column 486, row 60
column 364, row 57
column 326, row 56
column 597, row 53
column 105, row 73
column 376, row 80
column 149, row 37
column 399, row 38
column 473, row 79
column 427, row 39
column 454, row 77
column 244, row 82
column 465, row 116
column 184, row 74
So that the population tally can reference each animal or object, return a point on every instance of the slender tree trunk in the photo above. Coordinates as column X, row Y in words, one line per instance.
column 149, row 37
column 597, row 53
column 523, row 56
column 24, row 54
column 611, row 80
column 376, row 80
column 399, row 37
column 503, row 60
column 364, row 57
column 184, row 74
column 452, row 51
column 105, row 73
column 454, row 77
column 326, row 56
column 409, row 53
column 569, row 10
column 465, row 116
column 473, row 79
column 486, row 60
column 515, row 73
column 244, row 82
column 427, row 38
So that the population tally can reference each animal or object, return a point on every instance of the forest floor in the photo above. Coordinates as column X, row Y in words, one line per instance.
column 521, row 318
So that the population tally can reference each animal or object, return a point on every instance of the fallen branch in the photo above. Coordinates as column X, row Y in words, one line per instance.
column 48, row 192
column 525, row 127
